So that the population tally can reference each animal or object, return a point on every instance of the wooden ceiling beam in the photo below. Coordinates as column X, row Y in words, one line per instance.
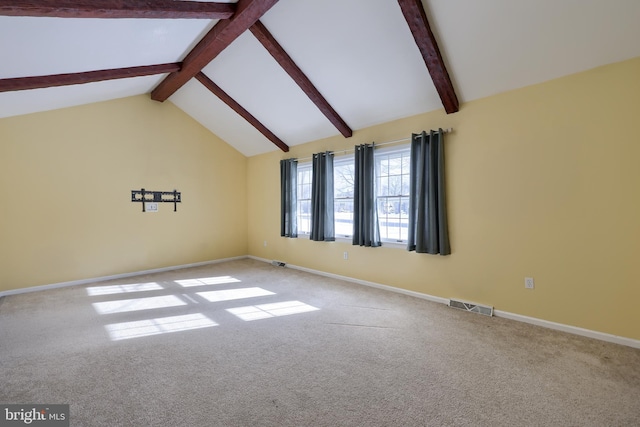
column 159, row 9
column 39, row 82
column 224, row 97
column 416, row 17
column 212, row 44
column 280, row 55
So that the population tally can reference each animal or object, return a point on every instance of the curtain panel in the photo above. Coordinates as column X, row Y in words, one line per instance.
column 322, row 215
column 288, row 197
column 366, row 230
column 428, row 228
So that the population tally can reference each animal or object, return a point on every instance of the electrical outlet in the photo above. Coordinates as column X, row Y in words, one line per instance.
column 345, row 255
column 265, row 243
column 528, row 282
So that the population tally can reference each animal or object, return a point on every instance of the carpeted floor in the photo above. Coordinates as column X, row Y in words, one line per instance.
column 245, row 343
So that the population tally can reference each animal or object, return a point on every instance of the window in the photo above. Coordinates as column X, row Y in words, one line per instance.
column 392, row 193
column 304, row 198
column 343, row 185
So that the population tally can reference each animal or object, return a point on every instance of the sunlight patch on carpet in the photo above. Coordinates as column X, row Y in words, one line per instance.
column 126, row 305
column 207, row 281
column 162, row 325
column 265, row 311
column 233, row 294
column 122, row 289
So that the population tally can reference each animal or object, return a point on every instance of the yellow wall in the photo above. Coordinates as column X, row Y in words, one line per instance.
column 543, row 182
column 65, row 192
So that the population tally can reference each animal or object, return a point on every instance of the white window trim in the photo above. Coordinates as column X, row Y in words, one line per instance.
column 338, row 161
column 385, row 151
column 301, row 167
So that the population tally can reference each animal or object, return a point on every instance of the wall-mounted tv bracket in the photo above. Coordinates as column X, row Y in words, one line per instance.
column 144, row 196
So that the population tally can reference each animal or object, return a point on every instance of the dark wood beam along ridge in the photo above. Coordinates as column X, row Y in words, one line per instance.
column 282, row 57
column 416, row 18
column 39, row 82
column 212, row 44
column 157, row 9
column 224, row 97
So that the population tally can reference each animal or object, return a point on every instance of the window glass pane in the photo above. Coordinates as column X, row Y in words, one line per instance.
column 395, row 165
column 343, row 217
column 404, row 219
column 384, row 166
column 304, row 216
column 405, row 184
column 395, row 185
column 383, row 186
column 343, row 179
column 405, row 163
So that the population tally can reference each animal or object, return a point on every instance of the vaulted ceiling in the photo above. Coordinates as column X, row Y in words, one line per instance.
column 266, row 74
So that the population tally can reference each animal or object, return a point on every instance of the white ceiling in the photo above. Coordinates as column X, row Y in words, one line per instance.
column 358, row 53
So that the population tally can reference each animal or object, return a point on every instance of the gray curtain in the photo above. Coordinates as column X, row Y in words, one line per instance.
column 322, row 216
column 366, row 231
column 288, row 198
column 428, row 229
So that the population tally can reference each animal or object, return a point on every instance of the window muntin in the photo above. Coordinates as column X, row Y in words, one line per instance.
column 392, row 193
column 343, row 188
column 304, row 198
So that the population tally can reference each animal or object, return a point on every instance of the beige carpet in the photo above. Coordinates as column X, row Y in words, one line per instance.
column 251, row 344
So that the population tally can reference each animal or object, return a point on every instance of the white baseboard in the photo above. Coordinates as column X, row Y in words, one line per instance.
column 260, row 259
column 360, row 282
column 115, row 276
column 568, row 328
column 498, row 313
column 373, row 285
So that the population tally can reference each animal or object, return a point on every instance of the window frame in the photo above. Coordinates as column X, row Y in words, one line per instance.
column 302, row 218
column 401, row 199
column 340, row 202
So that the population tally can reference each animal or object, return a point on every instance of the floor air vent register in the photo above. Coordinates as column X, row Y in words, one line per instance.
column 472, row 307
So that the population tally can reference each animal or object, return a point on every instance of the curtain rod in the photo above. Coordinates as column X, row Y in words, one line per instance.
column 351, row 150
column 447, row 130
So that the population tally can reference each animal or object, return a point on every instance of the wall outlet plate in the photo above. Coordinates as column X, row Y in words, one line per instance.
column 151, row 207
column 528, row 282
